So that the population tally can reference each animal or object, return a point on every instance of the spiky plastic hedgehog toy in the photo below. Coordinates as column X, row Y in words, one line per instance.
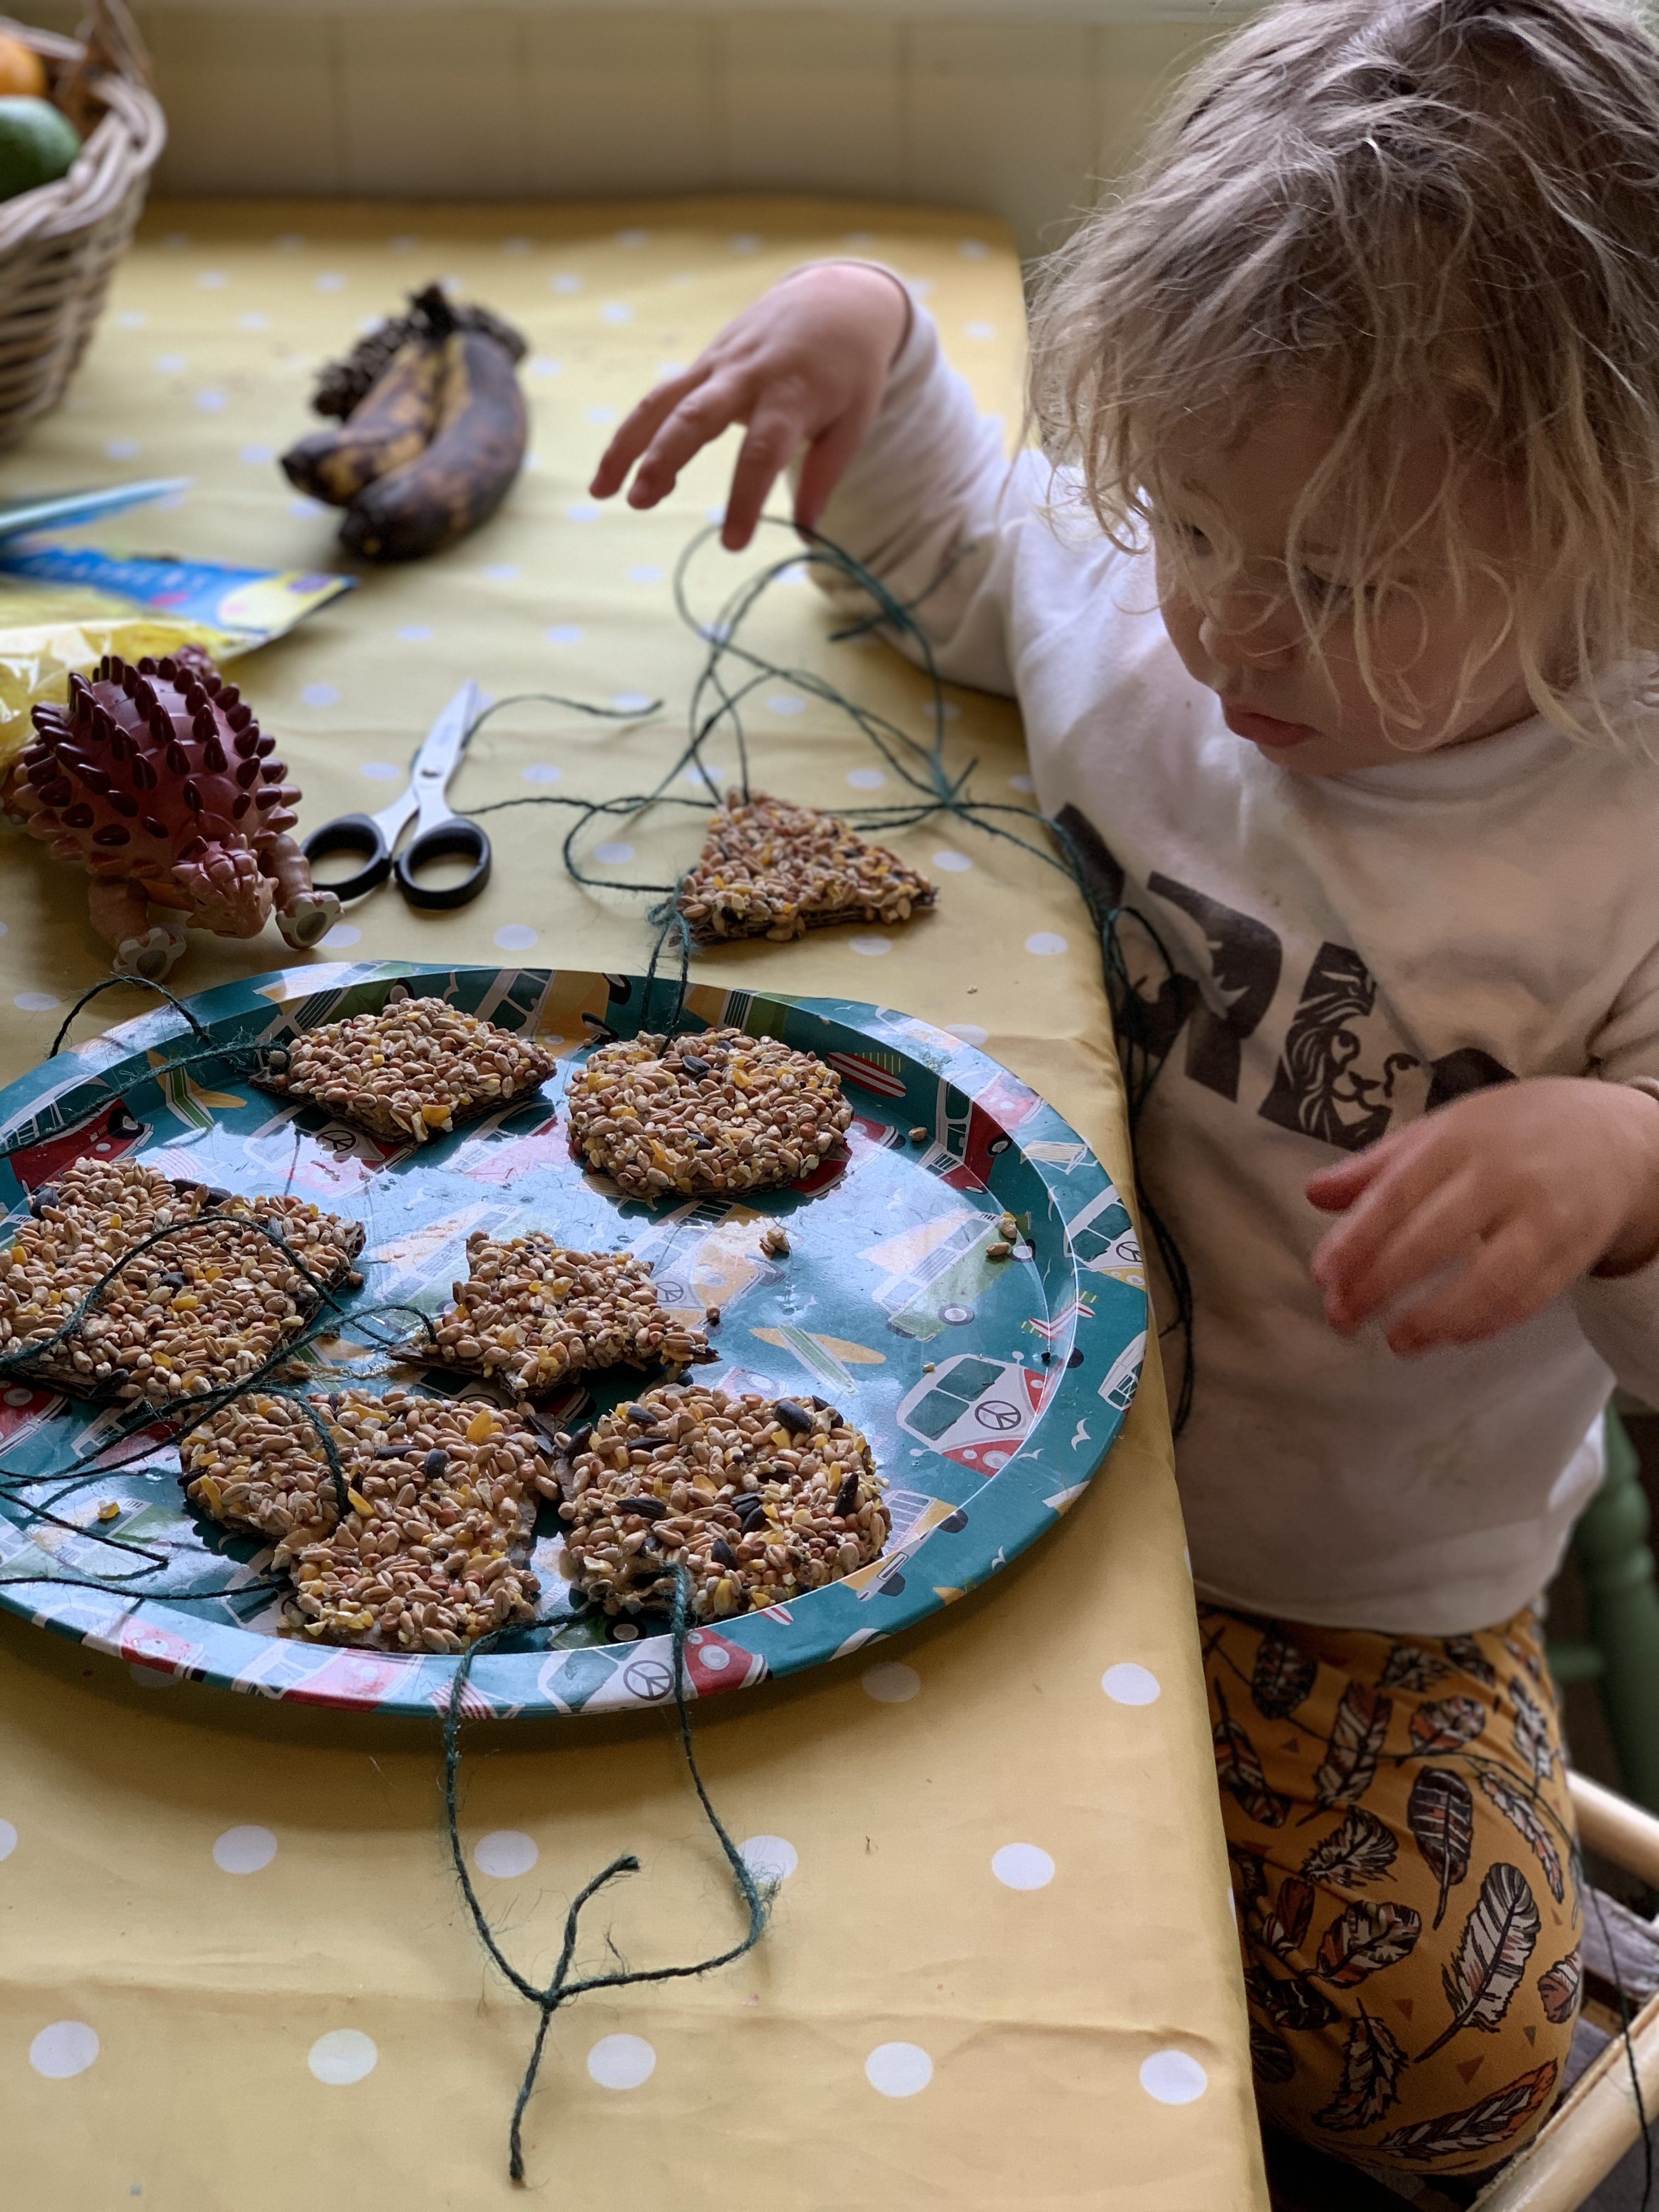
column 156, row 779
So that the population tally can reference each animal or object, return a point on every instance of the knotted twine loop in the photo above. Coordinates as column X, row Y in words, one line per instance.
column 756, row 1896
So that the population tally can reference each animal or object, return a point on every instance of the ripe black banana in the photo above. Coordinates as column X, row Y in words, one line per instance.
column 463, row 473
column 390, row 427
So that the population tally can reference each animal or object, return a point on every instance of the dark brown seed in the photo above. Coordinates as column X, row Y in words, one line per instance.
column 643, row 1414
column 394, row 1451
column 720, row 1550
column 846, row 1498
column 648, row 1508
column 581, row 1438
column 434, row 1465
column 795, row 1419
column 693, row 1065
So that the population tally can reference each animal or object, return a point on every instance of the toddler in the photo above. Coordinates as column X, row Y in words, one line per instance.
column 1331, row 601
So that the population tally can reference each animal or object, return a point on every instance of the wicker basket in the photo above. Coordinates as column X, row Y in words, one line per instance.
column 59, row 243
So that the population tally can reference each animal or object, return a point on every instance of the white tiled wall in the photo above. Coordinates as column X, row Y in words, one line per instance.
column 1017, row 112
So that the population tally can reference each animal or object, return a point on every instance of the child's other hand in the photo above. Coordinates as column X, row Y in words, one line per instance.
column 1520, row 1188
column 805, row 365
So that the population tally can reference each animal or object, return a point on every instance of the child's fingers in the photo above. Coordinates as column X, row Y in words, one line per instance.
column 1335, row 1189
column 772, row 440
column 1414, row 1244
column 695, row 422
column 638, row 430
column 1507, row 1282
column 1401, row 1183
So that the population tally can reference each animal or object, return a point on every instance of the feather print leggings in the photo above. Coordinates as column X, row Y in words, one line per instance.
column 1403, row 1851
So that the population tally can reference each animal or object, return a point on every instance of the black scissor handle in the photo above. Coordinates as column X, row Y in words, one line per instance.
column 457, row 835
column 351, row 833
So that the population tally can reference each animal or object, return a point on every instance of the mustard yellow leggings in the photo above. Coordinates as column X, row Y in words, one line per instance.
column 1397, row 1815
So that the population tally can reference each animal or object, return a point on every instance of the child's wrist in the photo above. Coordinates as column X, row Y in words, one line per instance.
column 1637, row 1242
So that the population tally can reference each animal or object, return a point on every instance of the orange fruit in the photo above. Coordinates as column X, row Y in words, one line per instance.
column 21, row 69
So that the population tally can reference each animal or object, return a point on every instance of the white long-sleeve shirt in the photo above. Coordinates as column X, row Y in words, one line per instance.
column 1348, row 951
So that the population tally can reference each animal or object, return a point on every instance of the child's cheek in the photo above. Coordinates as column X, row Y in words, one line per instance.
column 1183, row 621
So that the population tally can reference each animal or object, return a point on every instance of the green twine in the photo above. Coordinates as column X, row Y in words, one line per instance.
column 754, row 1896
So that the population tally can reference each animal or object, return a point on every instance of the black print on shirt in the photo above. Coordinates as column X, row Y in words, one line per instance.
column 1320, row 1088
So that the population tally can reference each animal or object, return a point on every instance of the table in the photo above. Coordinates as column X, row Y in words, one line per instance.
column 1008, row 1849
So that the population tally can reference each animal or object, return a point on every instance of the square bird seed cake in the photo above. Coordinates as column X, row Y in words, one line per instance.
column 417, row 1070
column 209, row 1302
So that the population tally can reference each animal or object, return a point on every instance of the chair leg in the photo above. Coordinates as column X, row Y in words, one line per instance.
column 1612, row 1543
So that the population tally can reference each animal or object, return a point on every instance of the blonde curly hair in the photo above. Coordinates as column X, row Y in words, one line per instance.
column 1435, row 215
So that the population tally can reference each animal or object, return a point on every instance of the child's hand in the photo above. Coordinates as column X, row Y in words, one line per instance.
column 1522, row 1188
column 805, row 365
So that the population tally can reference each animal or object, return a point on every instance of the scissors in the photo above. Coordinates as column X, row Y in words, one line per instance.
column 438, row 831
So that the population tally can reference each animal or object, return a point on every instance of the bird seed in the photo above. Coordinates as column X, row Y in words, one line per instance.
column 417, row 1069
column 772, row 869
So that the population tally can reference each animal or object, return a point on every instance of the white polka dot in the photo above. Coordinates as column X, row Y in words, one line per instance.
column 504, row 1852
column 8, row 1839
column 1022, row 783
column 171, row 364
column 566, row 280
column 1045, row 941
column 1173, row 2077
column 1023, row 1866
column 380, row 771
column 891, row 1682
column 603, row 417
column 786, row 702
column 645, row 573
column 403, row 243
column 616, row 311
column 306, row 506
column 68, row 2047
column 1128, row 1684
column 973, row 249
column 631, row 702
column 898, row 2069
column 564, row 634
column 583, row 510
column 860, row 241
column 715, row 514
column 866, row 779
column 502, row 572
column 288, row 241
column 694, row 775
column 769, row 1858
column 131, row 320
column 872, row 946
column 331, row 280
column 35, row 1002
column 257, row 456
column 320, row 695
column 415, row 633
column 918, row 288
column 344, row 2055
column 517, row 245
column 667, row 369
column 515, row 937
column 153, row 1678
column 243, row 1850
column 174, row 241
column 123, row 449
column 621, row 2062
column 613, row 854
column 340, row 937
column 745, row 242
column 254, row 322
column 949, row 711
column 954, row 864
column 541, row 772
column 969, row 1032
column 544, row 364
column 980, row 331
column 212, row 280
column 631, row 240
column 4, row 926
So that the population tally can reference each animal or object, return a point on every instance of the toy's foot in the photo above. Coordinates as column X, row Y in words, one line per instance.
column 152, row 957
column 311, row 915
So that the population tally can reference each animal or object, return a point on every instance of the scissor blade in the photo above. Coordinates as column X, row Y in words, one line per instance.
column 434, row 763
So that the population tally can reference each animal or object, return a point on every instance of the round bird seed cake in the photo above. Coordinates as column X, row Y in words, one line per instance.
column 433, row 1551
column 417, row 1069
column 759, row 1498
column 716, row 1111
column 533, row 1311
column 199, row 1308
column 772, row 869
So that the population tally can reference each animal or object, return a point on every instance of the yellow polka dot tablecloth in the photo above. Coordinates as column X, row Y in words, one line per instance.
column 236, row 1972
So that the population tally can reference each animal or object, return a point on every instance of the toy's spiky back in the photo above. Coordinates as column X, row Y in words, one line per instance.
column 159, row 772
